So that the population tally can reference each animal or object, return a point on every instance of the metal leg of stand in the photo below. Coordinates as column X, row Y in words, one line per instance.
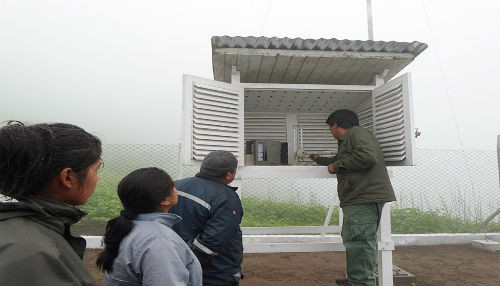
column 385, row 246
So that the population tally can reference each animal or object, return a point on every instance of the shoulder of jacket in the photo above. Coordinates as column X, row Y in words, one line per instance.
column 28, row 236
column 158, row 234
column 361, row 131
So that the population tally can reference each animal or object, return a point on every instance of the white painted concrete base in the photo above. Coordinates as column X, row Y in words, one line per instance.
column 93, row 242
column 487, row 244
column 440, row 238
column 318, row 243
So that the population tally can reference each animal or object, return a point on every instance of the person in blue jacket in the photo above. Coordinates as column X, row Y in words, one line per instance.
column 140, row 246
column 212, row 212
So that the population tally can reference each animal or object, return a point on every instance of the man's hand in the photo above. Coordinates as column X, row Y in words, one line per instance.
column 313, row 157
column 330, row 169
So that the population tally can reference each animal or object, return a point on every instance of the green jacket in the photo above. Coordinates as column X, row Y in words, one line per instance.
column 361, row 173
column 37, row 247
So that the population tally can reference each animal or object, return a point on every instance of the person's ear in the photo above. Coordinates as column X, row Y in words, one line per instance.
column 166, row 202
column 66, row 178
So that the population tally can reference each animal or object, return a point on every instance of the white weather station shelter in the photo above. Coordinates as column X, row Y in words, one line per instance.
column 268, row 103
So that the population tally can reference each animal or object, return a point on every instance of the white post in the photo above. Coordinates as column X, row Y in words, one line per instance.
column 180, row 160
column 341, row 217
column 327, row 218
column 235, row 75
column 370, row 19
column 379, row 79
column 498, row 155
column 385, row 247
column 295, row 135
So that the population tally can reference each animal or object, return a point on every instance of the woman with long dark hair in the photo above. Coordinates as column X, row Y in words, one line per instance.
column 46, row 170
column 140, row 246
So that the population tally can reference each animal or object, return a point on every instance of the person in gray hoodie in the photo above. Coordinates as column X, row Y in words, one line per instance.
column 46, row 170
column 140, row 246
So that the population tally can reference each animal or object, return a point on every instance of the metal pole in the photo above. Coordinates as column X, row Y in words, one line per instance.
column 180, row 161
column 370, row 19
column 498, row 155
column 327, row 218
column 497, row 212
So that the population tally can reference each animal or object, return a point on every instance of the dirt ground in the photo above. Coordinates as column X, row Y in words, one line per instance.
column 432, row 265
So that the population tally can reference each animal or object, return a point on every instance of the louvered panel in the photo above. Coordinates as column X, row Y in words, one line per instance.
column 392, row 142
column 398, row 148
column 212, row 103
column 392, row 120
column 215, row 108
column 216, row 113
column 365, row 116
column 205, row 122
column 215, row 133
column 212, row 119
column 317, row 137
column 215, row 138
column 392, row 137
column 215, row 92
column 215, row 96
column 396, row 122
column 389, row 111
column 264, row 125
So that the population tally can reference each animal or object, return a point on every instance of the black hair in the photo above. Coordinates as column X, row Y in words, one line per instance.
column 31, row 155
column 141, row 191
column 344, row 118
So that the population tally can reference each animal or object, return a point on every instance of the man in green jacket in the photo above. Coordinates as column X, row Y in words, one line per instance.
column 363, row 188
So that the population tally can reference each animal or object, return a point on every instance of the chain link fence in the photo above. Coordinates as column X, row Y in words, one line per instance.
column 464, row 184
column 461, row 186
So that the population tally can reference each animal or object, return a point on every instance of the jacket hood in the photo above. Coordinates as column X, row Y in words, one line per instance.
column 53, row 214
column 168, row 219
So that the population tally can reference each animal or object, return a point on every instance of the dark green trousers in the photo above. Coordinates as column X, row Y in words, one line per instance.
column 359, row 234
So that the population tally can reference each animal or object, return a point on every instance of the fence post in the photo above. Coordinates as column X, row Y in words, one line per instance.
column 385, row 246
column 497, row 212
column 180, row 161
column 327, row 218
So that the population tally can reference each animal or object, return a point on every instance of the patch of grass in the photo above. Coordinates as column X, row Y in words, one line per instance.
column 268, row 213
column 414, row 220
column 104, row 205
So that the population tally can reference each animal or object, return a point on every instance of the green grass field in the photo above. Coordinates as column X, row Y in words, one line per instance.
column 104, row 204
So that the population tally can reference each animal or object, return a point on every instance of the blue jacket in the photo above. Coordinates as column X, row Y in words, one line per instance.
column 153, row 254
column 212, row 213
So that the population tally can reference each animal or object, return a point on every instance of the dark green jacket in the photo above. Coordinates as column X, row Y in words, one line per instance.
column 361, row 173
column 36, row 245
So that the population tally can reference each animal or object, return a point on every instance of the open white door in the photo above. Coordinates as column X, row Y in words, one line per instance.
column 212, row 119
column 393, row 120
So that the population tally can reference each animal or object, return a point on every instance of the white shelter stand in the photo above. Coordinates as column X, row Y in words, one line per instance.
column 385, row 244
column 385, row 248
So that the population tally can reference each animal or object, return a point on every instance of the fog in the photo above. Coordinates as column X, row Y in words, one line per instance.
column 115, row 67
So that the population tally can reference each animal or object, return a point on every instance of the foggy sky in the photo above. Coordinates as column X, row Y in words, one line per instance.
column 115, row 67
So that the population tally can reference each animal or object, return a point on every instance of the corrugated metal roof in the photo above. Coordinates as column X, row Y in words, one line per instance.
column 309, row 61
column 275, row 43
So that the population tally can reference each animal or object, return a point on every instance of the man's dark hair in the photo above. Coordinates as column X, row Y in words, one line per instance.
column 344, row 118
column 31, row 155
